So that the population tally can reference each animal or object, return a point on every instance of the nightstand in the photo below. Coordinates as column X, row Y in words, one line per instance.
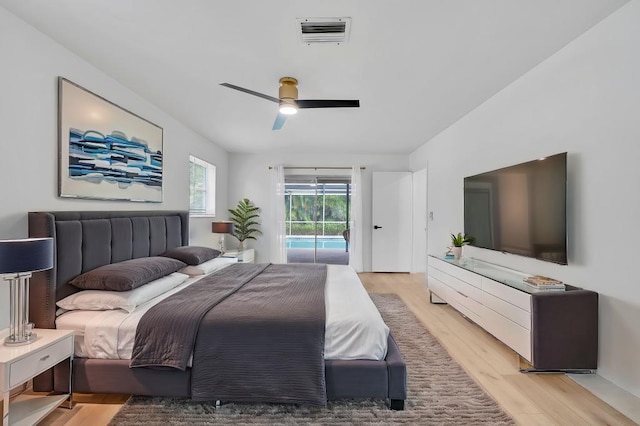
column 19, row 364
column 243, row 256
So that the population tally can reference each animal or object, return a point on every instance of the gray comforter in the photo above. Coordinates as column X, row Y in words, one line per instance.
column 256, row 333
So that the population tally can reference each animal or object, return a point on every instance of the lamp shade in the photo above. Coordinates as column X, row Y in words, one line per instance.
column 26, row 255
column 222, row 227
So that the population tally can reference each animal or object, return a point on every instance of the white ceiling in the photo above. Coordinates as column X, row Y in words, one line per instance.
column 417, row 66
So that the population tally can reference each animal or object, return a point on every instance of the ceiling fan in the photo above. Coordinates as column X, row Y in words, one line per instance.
column 289, row 103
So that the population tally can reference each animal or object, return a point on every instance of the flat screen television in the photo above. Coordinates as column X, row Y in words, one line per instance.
column 520, row 209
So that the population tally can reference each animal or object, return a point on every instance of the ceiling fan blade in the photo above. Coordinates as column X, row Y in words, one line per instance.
column 251, row 92
column 280, row 119
column 327, row 103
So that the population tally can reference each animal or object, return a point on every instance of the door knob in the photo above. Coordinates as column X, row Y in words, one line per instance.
column 377, row 227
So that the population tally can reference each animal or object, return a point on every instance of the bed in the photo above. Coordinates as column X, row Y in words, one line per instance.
column 87, row 240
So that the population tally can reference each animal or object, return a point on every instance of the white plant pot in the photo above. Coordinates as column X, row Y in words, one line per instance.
column 457, row 252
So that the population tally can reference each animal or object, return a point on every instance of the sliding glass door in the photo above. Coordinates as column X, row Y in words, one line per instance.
column 317, row 219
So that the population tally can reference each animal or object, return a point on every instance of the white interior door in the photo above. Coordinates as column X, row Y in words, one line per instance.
column 392, row 240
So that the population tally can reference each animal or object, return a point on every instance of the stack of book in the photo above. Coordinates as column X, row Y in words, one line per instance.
column 542, row 283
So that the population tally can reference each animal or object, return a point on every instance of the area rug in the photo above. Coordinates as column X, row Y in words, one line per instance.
column 439, row 392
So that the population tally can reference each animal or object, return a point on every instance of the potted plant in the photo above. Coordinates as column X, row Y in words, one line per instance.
column 243, row 218
column 458, row 241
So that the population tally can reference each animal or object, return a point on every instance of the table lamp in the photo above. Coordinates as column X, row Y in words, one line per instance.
column 222, row 228
column 18, row 260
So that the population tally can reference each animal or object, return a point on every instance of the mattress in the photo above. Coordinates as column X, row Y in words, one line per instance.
column 354, row 328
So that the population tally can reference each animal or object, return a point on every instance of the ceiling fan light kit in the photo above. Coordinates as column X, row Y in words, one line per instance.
column 288, row 93
column 288, row 107
column 288, row 102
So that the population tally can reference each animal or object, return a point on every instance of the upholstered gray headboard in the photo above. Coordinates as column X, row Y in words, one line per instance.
column 85, row 240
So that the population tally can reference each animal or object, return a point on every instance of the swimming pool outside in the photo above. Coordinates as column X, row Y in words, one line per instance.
column 322, row 242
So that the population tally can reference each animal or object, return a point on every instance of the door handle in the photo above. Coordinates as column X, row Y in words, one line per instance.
column 377, row 227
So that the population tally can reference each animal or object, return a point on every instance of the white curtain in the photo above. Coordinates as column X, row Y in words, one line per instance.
column 279, row 239
column 355, row 225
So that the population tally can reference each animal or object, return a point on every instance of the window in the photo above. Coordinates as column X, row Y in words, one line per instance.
column 202, row 187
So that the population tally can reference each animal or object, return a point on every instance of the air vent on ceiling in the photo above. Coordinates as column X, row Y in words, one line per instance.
column 324, row 30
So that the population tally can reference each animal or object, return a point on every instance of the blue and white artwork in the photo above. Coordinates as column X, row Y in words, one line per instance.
column 106, row 152
column 95, row 157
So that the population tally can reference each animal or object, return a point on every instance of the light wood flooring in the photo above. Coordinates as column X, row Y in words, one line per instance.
column 531, row 399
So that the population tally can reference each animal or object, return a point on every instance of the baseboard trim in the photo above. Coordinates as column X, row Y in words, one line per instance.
column 620, row 399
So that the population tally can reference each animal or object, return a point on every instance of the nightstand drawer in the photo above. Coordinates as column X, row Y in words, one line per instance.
column 243, row 256
column 247, row 256
column 39, row 361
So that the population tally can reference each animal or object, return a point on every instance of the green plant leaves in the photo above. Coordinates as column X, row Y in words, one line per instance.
column 461, row 240
column 242, row 217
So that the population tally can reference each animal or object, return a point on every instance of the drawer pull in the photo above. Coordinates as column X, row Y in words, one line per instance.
column 462, row 294
column 44, row 358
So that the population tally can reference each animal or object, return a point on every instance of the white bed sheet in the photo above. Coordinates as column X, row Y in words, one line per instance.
column 354, row 328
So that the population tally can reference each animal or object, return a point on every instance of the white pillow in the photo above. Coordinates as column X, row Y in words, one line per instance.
column 209, row 266
column 103, row 300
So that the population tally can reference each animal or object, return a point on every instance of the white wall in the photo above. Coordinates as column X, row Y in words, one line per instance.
column 30, row 65
column 249, row 176
column 584, row 100
column 419, row 264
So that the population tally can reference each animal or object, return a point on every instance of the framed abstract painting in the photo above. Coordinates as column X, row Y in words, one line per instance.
column 105, row 151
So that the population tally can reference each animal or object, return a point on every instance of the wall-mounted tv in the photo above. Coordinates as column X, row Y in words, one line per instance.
column 520, row 209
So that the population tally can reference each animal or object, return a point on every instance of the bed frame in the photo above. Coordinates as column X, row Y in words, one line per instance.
column 84, row 240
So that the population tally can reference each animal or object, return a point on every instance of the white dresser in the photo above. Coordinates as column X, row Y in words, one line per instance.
column 535, row 325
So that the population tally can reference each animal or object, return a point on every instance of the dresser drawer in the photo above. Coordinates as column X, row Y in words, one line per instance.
column 438, row 288
column 461, row 274
column 508, row 294
column 461, row 286
column 463, row 299
column 507, row 310
column 438, row 274
column 516, row 337
column 39, row 361
column 459, row 300
column 462, row 306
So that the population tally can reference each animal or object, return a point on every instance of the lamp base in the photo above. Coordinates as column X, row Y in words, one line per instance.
column 18, row 341
column 20, row 329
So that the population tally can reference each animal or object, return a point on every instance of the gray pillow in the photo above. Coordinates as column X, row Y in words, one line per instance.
column 192, row 255
column 127, row 275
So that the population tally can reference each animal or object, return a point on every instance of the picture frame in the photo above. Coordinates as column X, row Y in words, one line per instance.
column 105, row 151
